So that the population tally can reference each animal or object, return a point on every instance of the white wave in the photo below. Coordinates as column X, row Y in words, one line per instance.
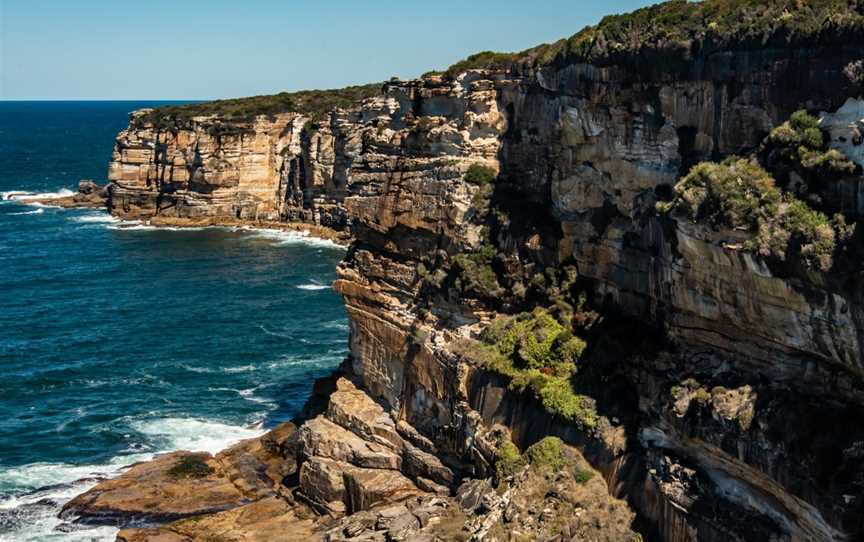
column 275, row 333
column 313, row 287
column 33, row 212
column 172, row 434
column 37, row 492
column 241, row 369
column 23, row 196
column 250, row 396
column 336, row 324
column 199, row 370
column 132, row 225
column 229, row 370
column 291, row 237
column 320, row 361
column 97, row 218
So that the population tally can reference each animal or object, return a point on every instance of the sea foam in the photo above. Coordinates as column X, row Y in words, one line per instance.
column 24, row 196
column 33, row 212
column 35, row 493
column 291, row 237
column 313, row 287
column 97, row 218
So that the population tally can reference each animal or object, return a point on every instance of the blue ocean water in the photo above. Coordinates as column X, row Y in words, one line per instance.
column 119, row 341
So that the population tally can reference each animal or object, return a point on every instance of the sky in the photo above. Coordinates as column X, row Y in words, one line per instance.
column 197, row 49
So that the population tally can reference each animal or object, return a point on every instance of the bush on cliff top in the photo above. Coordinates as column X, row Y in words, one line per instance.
column 485, row 60
column 683, row 25
column 315, row 103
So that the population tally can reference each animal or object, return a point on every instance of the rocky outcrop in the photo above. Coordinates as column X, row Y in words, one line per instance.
column 345, row 474
column 89, row 196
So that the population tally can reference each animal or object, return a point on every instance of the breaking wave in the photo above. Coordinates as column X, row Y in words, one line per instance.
column 31, row 496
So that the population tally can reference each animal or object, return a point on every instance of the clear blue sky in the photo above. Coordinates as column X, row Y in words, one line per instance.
column 185, row 49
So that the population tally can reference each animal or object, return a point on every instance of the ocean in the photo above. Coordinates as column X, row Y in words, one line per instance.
column 119, row 341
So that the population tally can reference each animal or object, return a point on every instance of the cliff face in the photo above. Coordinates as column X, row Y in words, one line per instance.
column 729, row 395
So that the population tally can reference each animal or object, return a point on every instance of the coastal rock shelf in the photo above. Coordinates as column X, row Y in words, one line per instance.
column 718, row 396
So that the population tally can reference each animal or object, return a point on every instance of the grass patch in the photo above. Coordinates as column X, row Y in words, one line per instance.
column 190, row 466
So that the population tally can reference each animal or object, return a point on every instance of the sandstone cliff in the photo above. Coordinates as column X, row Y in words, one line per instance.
column 725, row 394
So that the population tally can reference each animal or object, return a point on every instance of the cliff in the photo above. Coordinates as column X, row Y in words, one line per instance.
column 717, row 389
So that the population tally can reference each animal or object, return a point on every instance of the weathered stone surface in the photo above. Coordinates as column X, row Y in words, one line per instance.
column 263, row 521
column 147, row 493
column 365, row 488
column 353, row 409
column 322, row 438
column 323, row 481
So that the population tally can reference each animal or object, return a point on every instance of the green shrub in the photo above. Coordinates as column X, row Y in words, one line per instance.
column 583, row 476
column 798, row 144
column 535, row 340
column 735, row 193
column 558, row 397
column 475, row 270
column 510, row 461
column 485, row 60
column 548, row 452
column 190, row 466
column 797, row 233
column 538, row 355
column 479, row 175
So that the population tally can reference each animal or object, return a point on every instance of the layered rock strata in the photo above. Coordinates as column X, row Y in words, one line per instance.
column 726, row 390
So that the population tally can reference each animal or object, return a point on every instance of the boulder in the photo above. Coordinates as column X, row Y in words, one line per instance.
column 323, row 438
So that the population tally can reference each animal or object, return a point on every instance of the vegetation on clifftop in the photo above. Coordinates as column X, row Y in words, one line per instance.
column 684, row 25
column 314, row 103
